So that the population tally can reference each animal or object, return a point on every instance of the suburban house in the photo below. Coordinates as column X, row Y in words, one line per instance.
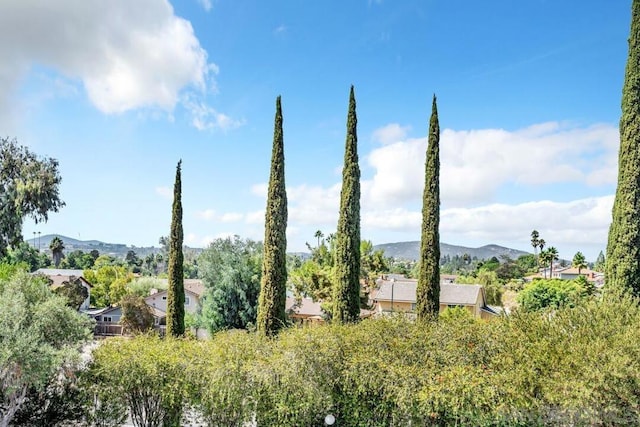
column 108, row 319
column 193, row 290
column 569, row 273
column 59, row 277
column 400, row 296
column 304, row 311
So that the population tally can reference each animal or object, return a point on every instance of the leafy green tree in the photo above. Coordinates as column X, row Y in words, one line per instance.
column 489, row 280
column 552, row 293
column 142, row 286
column 109, row 284
column 38, row 334
column 231, row 270
column 57, row 248
column 312, row 280
column 346, row 294
column 25, row 253
column 372, row 262
column 428, row 291
column 623, row 248
column 74, row 292
column 175, row 294
column 137, row 316
column 273, row 289
column 528, row 263
column 508, row 269
column 132, row 260
column 579, row 261
column 78, row 260
column 29, row 187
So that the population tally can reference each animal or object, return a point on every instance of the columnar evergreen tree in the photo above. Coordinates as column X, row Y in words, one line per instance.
column 175, row 294
column 346, row 292
column 428, row 291
column 623, row 249
column 273, row 287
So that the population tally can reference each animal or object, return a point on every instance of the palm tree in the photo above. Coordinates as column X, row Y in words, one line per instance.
column 541, row 244
column 579, row 261
column 56, row 246
column 552, row 255
column 535, row 242
column 543, row 260
column 318, row 236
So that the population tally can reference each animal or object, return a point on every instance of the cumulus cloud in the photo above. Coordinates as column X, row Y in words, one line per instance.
column 390, row 133
column 212, row 215
column 476, row 163
column 127, row 55
column 583, row 221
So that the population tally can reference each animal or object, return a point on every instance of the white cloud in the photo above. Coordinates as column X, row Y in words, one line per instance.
column 207, row 214
column 127, row 55
column 280, row 29
column 205, row 117
column 475, row 164
column 314, row 205
column 206, row 4
column 212, row 215
column 231, row 217
column 583, row 221
column 390, row 133
column 164, row 192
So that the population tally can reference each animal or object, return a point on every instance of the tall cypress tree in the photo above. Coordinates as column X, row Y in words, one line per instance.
column 346, row 292
column 428, row 291
column 271, row 302
column 175, row 293
column 623, row 249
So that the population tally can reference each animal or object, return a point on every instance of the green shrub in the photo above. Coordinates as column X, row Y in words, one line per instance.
column 577, row 366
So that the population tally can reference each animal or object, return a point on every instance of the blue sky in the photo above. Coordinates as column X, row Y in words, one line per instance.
column 119, row 91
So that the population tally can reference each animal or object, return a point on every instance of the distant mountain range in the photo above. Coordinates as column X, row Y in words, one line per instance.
column 399, row 250
column 71, row 244
column 411, row 250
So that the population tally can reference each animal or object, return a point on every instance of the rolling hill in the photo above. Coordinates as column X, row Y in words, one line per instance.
column 410, row 250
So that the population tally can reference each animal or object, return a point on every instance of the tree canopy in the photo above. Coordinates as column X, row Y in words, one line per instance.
column 231, row 271
column 29, row 187
column 38, row 333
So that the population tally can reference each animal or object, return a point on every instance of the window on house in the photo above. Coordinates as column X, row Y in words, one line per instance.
column 187, row 300
column 413, row 306
column 164, row 297
column 106, row 319
column 455, row 305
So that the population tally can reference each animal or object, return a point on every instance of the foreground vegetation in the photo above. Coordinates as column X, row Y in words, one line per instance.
column 572, row 366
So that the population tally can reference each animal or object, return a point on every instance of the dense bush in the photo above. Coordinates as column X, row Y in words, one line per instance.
column 553, row 293
column 574, row 366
